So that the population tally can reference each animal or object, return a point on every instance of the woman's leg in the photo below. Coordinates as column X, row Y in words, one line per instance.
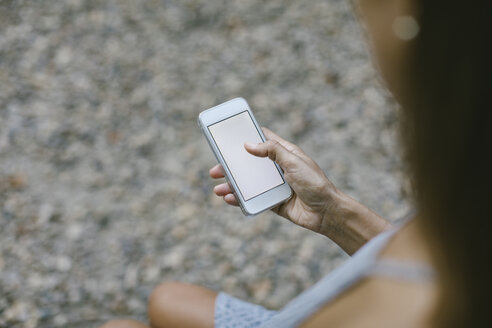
column 124, row 324
column 176, row 304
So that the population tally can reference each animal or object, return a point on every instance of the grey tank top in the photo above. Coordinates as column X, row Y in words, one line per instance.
column 365, row 262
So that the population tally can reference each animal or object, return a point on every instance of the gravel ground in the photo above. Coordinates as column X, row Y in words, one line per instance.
column 104, row 187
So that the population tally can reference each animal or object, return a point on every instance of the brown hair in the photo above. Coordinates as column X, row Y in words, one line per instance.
column 447, row 131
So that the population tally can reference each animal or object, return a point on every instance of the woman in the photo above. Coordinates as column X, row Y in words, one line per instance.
column 431, row 272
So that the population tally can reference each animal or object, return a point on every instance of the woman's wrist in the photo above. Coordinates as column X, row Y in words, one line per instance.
column 351, row 224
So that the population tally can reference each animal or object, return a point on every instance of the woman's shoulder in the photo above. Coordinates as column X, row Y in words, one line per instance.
column 399, row 294
column 378, row 302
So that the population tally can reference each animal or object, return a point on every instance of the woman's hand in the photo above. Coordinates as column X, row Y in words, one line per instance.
column 316, row 204
column 314, row 195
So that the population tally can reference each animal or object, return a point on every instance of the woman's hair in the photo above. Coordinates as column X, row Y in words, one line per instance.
column 447, row 132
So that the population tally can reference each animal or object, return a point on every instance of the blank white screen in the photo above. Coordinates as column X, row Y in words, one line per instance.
column 253, row 175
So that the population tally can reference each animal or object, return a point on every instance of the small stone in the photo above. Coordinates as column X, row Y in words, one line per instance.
column 18, row 311
column 186, row 211
column 135, row 304
column 35, row 281
column 179, row 232
column 63, row 56
column 32, row 322
column 74, row 231
column 16, row 181
column 281, row 294
column 151, row 274
column 45, row 213
column 60, row 320
column 63, row 263
column 215, row 200
column 131, row 277
column 261, row 289
column 74, row 295
column 174, row 258
column 306, row 250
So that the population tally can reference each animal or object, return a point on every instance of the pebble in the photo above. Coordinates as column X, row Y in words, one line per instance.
column 131, row 277
column 261, row 289
column 16, row 181
column 63, row 263
column 60, row 320
column 45, row 213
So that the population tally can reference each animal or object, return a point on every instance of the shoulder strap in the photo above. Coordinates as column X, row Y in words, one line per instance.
column 405, row 271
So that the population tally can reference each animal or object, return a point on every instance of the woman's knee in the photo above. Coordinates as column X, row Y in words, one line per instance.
column 129, row 323
column 174, row 303
column 165, row 296
column 165, row 292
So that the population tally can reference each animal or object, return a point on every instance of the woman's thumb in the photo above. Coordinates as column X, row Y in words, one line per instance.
column 273, row 150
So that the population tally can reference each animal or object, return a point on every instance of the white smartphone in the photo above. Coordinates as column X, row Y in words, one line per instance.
column 258, row 183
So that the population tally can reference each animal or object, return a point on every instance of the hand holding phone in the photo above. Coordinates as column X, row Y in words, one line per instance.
column 316, row 204
column 257, row 182
column 314, row 196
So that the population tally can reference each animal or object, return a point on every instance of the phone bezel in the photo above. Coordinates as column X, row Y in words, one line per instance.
column 264, row 201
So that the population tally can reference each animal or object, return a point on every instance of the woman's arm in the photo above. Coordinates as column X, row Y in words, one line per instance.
column 316, row 203
column 351, row 224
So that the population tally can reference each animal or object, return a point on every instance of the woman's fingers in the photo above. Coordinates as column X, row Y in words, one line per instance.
column 272, row 135
column 216, row 172
column 231, row 200
column 225, row 191
column 222, row 189
column 286, row 144
column 275, row 151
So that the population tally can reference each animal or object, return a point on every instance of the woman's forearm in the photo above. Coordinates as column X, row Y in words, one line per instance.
column 351, row 224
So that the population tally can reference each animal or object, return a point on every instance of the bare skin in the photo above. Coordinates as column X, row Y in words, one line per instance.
column 175, row 304
column 319, row 206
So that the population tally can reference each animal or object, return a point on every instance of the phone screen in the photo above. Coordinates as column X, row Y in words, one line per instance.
column 253, row 175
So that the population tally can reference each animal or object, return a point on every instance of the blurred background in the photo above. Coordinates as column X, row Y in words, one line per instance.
column 104, row 187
